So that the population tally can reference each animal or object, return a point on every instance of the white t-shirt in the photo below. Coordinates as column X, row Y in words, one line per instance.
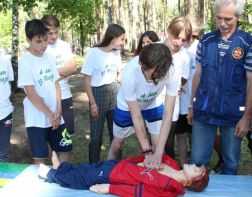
column 6, row 75
column 135, row 87
column 181, row 62
column 40, row 72
column 101, row 66
column 187, row 88
column 61, row 52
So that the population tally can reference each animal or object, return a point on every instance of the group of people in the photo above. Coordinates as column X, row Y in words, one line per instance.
column 168, row 88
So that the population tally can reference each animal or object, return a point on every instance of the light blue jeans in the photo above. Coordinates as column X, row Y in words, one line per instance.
column 203, row 137
column 5, row 134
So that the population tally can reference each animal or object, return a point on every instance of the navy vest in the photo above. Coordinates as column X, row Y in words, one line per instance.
column 221, row 94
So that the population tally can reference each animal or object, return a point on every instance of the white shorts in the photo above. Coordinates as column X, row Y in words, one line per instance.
column 123, row 132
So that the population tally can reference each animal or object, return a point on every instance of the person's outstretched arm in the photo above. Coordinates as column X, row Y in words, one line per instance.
column 154, row 161
column 139, row 124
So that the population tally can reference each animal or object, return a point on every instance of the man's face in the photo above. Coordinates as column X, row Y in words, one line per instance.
column 38, row 45
column 226, row 19
column 52, row 34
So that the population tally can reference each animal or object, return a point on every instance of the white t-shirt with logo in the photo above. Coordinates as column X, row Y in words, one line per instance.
column 181, row 62
column 6, row 75
column 40, row 72
column 61, row 52
column 187, row 87
column 101, row 66
column 148, row 95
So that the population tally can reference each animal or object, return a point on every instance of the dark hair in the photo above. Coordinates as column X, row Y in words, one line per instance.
column 179, row 24
column 35, row 27
column 113, row 31
column 51, row 21
column 156, row 55
column 198, row 185
column 151, row 35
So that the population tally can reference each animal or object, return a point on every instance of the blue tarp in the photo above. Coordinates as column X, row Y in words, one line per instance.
column 29, row 185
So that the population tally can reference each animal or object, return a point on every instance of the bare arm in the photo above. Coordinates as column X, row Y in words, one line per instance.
column 57, row 115
column 195, row 84
column 243, row 125
column 68, row 69
column 154, row 161
column 93, row 107
column 139, row 124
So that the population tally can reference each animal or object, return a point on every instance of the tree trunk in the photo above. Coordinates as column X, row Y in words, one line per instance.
column 187, row 6
column 15, row 42
column 82, row 38
column 98, row 23
column 201, row 7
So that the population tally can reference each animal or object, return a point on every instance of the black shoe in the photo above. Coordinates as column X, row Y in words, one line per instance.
column 218, row 167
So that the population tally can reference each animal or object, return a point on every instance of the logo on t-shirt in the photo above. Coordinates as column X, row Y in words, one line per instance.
column 3, row 78
column 238, row 53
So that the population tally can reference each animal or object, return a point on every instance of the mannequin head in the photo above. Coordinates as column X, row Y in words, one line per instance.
column 197, row 177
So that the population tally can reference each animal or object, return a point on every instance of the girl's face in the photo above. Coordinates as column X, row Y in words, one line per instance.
column 118, row 42
column 146, row 40
column 176, row 42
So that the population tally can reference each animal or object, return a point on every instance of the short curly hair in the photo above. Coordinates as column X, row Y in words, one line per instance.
column 199, row 184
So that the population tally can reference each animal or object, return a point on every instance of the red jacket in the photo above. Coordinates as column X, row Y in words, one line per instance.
column 128, row 180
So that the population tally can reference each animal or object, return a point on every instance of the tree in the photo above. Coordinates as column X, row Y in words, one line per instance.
column 80, row 13
column 14, row 5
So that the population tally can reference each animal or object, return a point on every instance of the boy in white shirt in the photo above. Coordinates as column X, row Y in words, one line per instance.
column 179, row 31
column 6, row 75
column 65, row 65
column 42, row 104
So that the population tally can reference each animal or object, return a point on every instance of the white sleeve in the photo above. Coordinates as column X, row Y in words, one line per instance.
column 173, row 82
column 25, row 76
column 186, row 66
column 88, row 66
column 10, row 71
column 128, row 83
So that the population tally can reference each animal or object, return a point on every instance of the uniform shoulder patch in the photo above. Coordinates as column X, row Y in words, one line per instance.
column 238, row 53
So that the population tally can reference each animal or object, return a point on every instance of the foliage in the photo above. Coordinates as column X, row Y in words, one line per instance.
column 26, row 4
column 243, row 22
column 81, row 15
column 5, row 29
column 211, row 24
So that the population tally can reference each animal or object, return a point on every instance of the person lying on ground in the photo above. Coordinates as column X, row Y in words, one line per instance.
column 127, row 177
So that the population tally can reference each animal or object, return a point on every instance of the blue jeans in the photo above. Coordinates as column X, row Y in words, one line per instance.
column 5, row 134
column 203, row 137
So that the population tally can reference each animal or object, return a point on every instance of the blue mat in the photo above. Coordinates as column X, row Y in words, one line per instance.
column 29, row 185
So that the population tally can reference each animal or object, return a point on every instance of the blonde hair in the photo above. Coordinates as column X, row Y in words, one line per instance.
column 197, row 28
column 179, row 24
